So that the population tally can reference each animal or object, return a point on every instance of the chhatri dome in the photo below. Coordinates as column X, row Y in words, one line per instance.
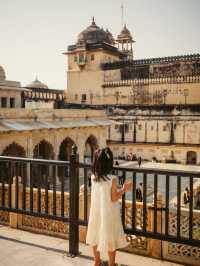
column 36, row 84
column 95, row 35
column 2, row 73
column 125, row 34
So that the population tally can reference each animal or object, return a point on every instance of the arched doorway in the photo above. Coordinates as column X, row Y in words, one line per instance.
column 65, row 152
column 42, row 173
column 14, row 150
column 191, row 157
column 65, row 149
column 10, row 169
column 91, row 145
column 43, row 150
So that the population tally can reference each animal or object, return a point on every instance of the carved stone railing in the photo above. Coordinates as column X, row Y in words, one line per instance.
column 43, row 225
column 147, row 81
column 179, row 252
column 137, row 244
column 4, row 215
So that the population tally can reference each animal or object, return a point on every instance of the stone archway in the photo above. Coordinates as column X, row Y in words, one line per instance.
column 65, row 149
column 14, row 150
column 191, row 157
column 43, row 150
column 91, row 145
column 42, row 173
column 65, row 152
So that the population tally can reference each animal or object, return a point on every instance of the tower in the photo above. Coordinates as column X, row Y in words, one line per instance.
column 125, row 42
column 85, row 76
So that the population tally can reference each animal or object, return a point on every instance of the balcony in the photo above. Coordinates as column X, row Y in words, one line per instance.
column 50, row 251
column 53, row 198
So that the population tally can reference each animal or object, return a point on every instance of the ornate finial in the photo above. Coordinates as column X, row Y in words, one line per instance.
column 93, row 22
column 36, row 78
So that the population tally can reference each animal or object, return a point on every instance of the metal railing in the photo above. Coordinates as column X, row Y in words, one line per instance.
column 48, row 176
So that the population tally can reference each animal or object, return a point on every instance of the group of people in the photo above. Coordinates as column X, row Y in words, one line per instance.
column 128, row 157
column 138, row 159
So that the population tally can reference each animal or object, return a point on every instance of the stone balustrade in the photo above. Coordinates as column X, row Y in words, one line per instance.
column 137, row 244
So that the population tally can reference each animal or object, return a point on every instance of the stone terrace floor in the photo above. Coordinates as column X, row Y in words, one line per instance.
column 20, row 248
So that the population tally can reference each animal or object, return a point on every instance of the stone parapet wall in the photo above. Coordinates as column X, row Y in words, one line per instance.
column 19, row 113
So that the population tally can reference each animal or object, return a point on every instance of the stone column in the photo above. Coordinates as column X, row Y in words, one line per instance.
column 184, row 132
column 157, row 132
column 29, row 147
column 145, row 138
column 15, row 218
column 134, row 133
column 56, row 146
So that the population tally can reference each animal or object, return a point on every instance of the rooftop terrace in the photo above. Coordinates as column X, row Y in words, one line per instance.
column 25, row 248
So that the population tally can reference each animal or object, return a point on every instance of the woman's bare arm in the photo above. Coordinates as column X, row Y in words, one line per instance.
column 116, row 193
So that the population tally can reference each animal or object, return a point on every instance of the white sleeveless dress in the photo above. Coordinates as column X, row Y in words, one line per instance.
column 105, row 226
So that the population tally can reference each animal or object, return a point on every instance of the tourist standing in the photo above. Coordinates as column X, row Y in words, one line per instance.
column 105, row 231
column 186, row 196
column 139, row 190
column 139, row 161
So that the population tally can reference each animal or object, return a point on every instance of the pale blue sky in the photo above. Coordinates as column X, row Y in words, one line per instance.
column 34, row 33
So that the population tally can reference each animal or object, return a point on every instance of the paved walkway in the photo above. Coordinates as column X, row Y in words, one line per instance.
column 22, row 248
column 165, row 166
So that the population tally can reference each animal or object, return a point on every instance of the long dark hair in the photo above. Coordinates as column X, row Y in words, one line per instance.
column 103, row 164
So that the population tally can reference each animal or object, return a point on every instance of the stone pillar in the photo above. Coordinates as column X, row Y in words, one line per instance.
column 15, row 218
column 145, row 136
column 56, row 146
column 183, row 140
column 29, row 147
column 157, row 132
column 134, row 133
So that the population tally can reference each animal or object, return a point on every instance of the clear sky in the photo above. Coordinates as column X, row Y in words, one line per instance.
column 34, row 33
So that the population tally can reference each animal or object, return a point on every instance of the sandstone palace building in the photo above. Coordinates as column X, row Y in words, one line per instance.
column 102, row 70
column 152, row 105
column 154, row 102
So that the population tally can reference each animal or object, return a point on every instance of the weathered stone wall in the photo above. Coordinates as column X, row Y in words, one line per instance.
column 158, row 133
column 161, row 152
column 146, row 93
column 28, row 139
column 88, row 79
column 10, row 93
column 50, row 114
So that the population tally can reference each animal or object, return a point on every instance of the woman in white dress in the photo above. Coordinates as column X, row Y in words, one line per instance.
column 105, row 231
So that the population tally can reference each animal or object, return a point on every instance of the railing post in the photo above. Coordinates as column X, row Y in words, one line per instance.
column 13, row 215
column 74, row 204
column 16, row 218
column 155, row 244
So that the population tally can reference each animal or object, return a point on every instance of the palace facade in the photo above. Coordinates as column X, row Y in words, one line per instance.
column 10, row 92
column 154, row 102
column 168, row 135
column 102, row 70
column 50, row 134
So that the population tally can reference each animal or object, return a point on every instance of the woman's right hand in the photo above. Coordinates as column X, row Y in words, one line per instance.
column 127, row 186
